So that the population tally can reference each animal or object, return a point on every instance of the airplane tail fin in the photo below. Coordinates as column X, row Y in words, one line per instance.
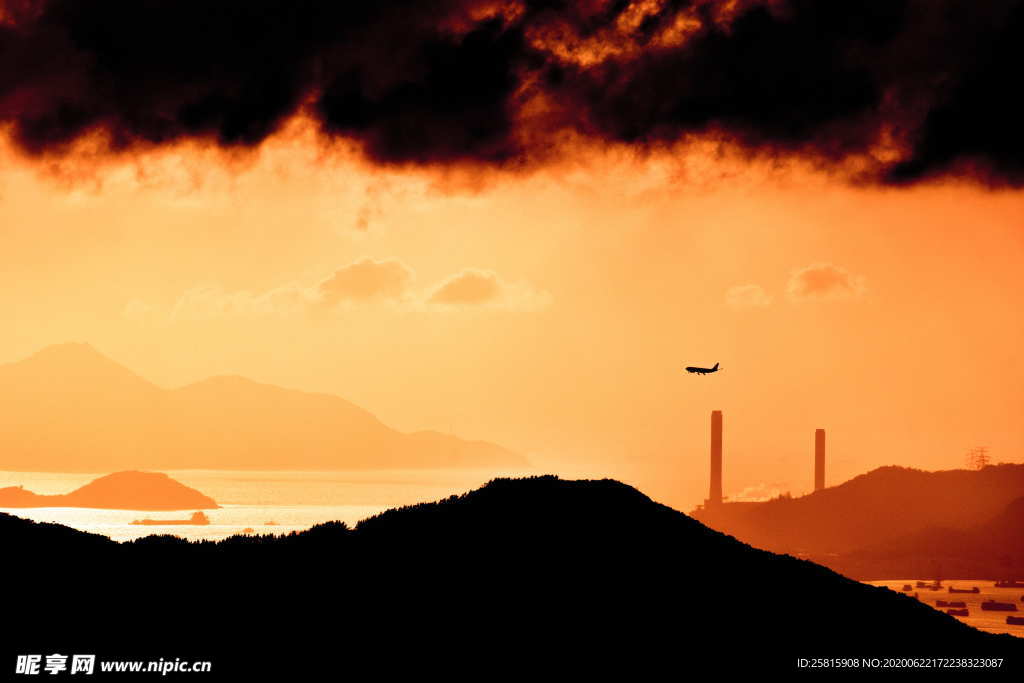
column 716, row 367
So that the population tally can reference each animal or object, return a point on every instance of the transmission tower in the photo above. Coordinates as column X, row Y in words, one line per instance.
column 977, row 458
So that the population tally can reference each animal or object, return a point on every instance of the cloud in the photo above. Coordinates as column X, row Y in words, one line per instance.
column 885, row 91
column 366, row 280
column 364, row 283
column 824, row 281
column 468, row 287
column 137, row 310
column 473, row 287
column 209, row 302
column 747, row 296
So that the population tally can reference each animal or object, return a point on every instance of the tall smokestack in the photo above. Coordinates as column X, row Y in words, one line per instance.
column 715, row 495
column 819, row 459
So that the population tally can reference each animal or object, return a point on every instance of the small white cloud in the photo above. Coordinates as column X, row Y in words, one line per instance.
column 367, row 280
column 824, row 281
column 471, row 287
column 747, row 296
column 475, row 288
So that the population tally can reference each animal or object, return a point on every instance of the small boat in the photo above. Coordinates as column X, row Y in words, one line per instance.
column 958, row 612
column 941, row 603
column 1019, row 621
column 996, row 606
column 964, row 590
column 907, row 588
column 922, row 584
column 1010, row 584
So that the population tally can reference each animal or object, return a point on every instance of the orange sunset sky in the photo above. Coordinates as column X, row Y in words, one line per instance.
column 519, row 220
column 552, row 311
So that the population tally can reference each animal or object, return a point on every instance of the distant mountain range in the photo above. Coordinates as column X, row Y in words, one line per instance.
column 992, row 549
column 68, row 408
column 893, row 512
column 538, row 575
column 117, row 491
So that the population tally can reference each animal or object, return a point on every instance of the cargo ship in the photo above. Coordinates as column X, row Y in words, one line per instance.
column 197, row 518
column 996, row 606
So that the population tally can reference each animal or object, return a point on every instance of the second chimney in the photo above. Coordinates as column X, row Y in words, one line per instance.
column 819, row 459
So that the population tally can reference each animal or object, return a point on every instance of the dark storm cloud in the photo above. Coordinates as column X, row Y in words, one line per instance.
column 883, row 91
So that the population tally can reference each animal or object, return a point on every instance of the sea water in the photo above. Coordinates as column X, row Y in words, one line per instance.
column 265, row 502
column 993, row 622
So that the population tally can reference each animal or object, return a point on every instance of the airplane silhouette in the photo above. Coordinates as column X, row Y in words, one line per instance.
column 702, row 371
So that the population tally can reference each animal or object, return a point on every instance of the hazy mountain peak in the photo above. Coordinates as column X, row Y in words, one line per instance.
column 76, row 365
column 70, row 408
column 80, row 351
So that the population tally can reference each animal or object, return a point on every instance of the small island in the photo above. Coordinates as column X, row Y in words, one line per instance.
column 118, row 491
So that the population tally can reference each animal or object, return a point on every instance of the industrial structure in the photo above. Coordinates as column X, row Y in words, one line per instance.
column 715, row 493
column 819, row 459
column 715, row 498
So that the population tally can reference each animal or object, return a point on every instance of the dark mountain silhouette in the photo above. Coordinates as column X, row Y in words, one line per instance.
column 25, row 536
column 117, row 491
column 994, row 549
column 880, row 506
column 70, row 409
column 531, row 576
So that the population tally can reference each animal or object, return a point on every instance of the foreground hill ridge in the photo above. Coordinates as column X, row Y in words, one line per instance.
column 69, row 408
column 581, row 575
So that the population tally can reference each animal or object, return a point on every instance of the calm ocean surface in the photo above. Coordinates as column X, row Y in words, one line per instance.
column 993, row 622
column 292, row 500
